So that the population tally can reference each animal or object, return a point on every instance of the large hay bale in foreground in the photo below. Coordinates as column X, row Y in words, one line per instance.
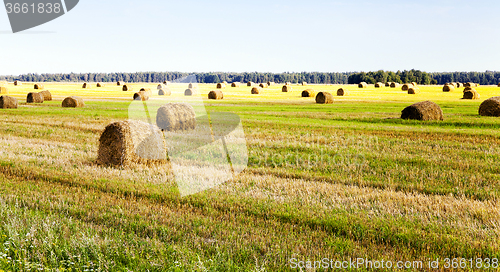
column 141, row 96
column 7, row 102
column 190, row 92
column 4, row 90
column 99, row 85
column 490, row 107
column 341, row 92
column 471, row 94
column 235, row 84
column 18, row 83
column 165, row 92
column 406, row 87
column 73, row 102
column 39, row 86
column 423, row 111
column 308, row 93
column 363, row 85
column 47, row 96
column 86, row 85
column 413, row 90
column 394, row 85
column 448, row 88
column 176, row 117
column 286, row 89
column 263, row 85
column 216, row 94
column 126, row 88
column 127, row 142
column 256, row 90
column 324, row 98
column 249, row 84
column 379, row 85
column 34, row 98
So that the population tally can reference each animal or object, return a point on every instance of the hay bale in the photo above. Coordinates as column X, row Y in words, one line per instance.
column 160, row 86
column 308, row 93
column 498, row 84
column 39, row 86
column 324, row 98
column 413, row 90
column 18, row 83
column 216, row 94
column 414, row 84
column 394, row 85
column 362, row 85
column 221, row 85
column 379, row 85
column 224, row 82
column 460, row 85
column 119, row 83
column 190, row 92
column 286, row 89
column 471, row 94
column 4, row 90
column 388, row 84
column 448, row 88
column 256, row 90
column 263, row 85
column 73, row 102
column 147, row 90
column 176, row 117
column 99, row 85
column 471, row 85
column 141, row 96
column 490, row 107
column 270, row 83
column 235, row 84
column 288, row 83
column 423, row 111
column 249, row 84
column 47, row 96
column 341, row 92
column 34, row 98
column 7, row 102
column 165, row 82
column 406, row 87
column 86, row 85
column 304, row 83
column 191, row 86
column 165, row 92
column 126, row 88
column 127, row 142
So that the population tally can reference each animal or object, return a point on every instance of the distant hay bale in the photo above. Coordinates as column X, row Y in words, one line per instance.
column 423, row 111
column 192, row 86
column 165, row 92
column 406, row 87
column 73, row 102
column 47, row 96
column 216, row 94
column 471, row 85
column 86, row 85
column 34, row 98
column 224, row 82
column 235, row 84
column 256, row 90
column 324, row 98
column 119, row 83
column 126, row 88
column 270, row 83
column 414, row 84
column 394, row 85
column 18, row 83
column 413, row 90
column 39, row 86
column 341, row 92
column 165, row 82
column 4, row 90
column 286, row 89
column 190, row 92
column 388, row 84
column 304, row 83
column 490, row 107
column 288, row 83
column 141, row 96
column 471, row 94
column 147, row 90
column 379, row 85
column 460, row 85
column 221, row 85
column 498, row 84
column 308, row 93
column 7, row 102
column 176, row 117
column 99, row 85
column 160, row 86
column 448, row 88
column 363, row 85
column 263, row 85
column 249, row 84
column 127, row 142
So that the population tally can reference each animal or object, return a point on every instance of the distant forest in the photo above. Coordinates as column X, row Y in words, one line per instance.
column 424, row 78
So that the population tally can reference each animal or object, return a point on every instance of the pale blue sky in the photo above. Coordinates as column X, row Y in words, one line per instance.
column 265, row 36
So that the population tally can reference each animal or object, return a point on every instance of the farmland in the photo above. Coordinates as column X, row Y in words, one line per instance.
column 338, row 181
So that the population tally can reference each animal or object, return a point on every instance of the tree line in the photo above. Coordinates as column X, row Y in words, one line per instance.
column 407, row 76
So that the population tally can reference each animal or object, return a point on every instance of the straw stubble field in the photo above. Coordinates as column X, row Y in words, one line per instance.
column 338, row 181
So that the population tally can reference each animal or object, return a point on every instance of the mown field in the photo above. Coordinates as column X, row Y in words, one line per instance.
column 338, row 181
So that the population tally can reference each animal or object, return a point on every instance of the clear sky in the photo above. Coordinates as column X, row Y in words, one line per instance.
column 264, row 36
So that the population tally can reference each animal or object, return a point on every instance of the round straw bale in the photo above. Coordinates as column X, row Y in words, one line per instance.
column 490, row 107
column 47, row 96
column 86, row 85
column 308, row 93
column 498, row 84
column 394, row 85
column 147, row 90
column 379, row 85
column 256, row 90
column 191, row 86
column 190, row 92
column 176, row 117
column 164, row 91
column 249, row 84
column 99, row 85
column 448, row 88
column 221, row 85
column 8, row 102
column 423, row 111
column 165, row 82
column 34, row 98
column 388, row 84
column 341, row 92
column 460, row 85
column 362, row 85
column 126, row 88
column 235, row 84
column 304, row 83
column 286, row 89
column 414, row 84
column 73, row 102
column 216, row 94
column 413, row 90
column 160, row 86
column 4, row 90
column 142, row 96
column 406, row 87
column 270, row 83
column 324, row 98
column 119, row 83
column 18, row 83
column 263, row 85
column 471, row 94
column 39, row 86
column 127, row 142
column 471, row 85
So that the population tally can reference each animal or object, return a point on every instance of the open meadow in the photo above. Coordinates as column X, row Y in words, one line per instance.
column 338, row 181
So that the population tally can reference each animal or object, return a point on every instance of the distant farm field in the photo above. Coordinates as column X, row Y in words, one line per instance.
column 339, row 181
